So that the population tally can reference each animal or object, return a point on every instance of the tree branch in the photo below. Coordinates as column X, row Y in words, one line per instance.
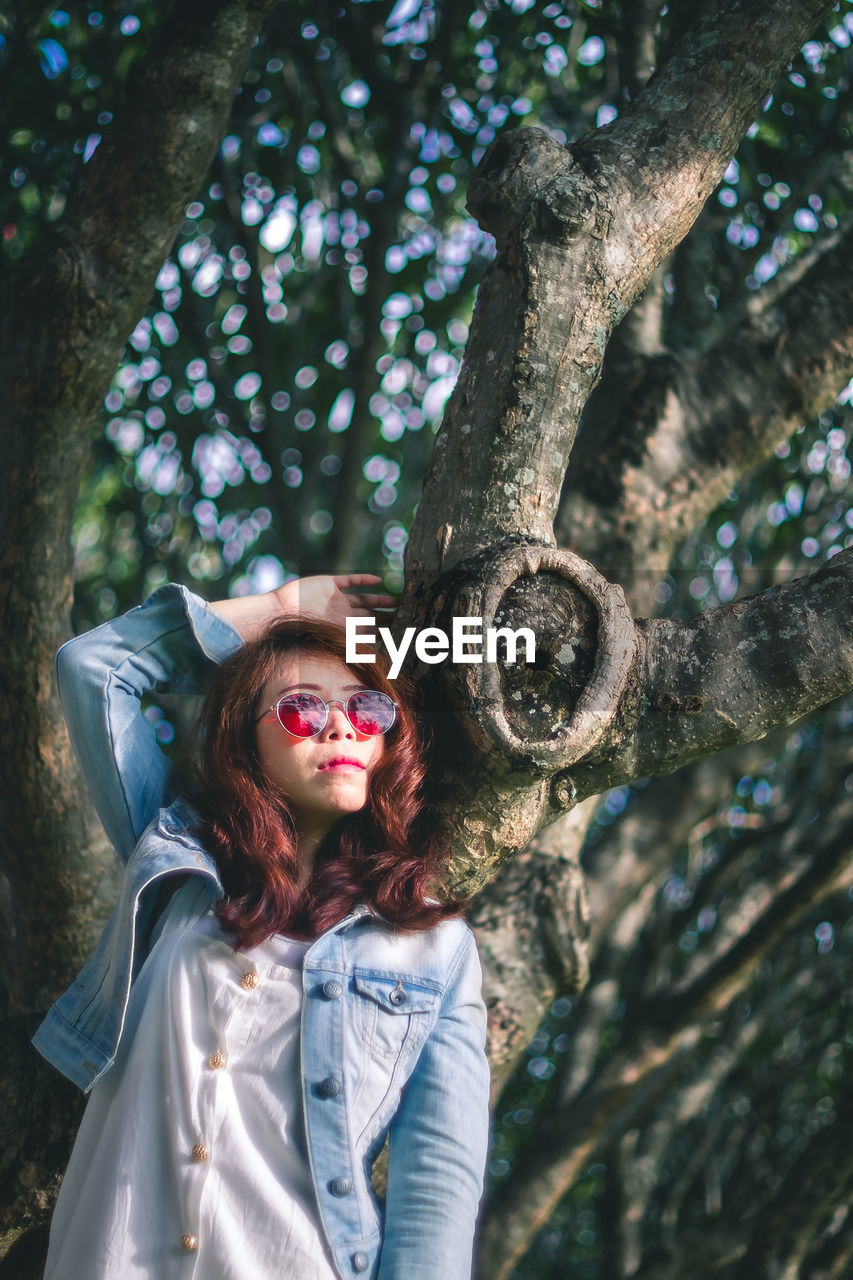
column 609, row 700
column 637, row 50
column 785, row 1232
column 532, row 927
column 729, row 675
column 689, row 429
column 535, row 932
column 580, row 233
column 792, row 896
column 617, row 1092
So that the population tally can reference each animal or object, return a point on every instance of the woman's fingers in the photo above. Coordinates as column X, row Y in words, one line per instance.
column 375, row 601
column 354, row 579
column 363, row 601
column 334, row 596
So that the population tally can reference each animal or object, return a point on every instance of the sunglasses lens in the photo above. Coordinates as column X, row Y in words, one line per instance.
column 371, row 712
column 301, row 714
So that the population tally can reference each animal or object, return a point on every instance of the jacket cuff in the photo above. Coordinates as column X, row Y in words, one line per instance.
column 216, row 638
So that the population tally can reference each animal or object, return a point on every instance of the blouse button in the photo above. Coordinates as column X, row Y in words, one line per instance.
column 216, row 1060
column 189, row 1243
column 249, row 980
column 200, row 1153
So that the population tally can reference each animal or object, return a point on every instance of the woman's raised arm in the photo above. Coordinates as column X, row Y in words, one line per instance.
column 321, row 596
column 171, row 643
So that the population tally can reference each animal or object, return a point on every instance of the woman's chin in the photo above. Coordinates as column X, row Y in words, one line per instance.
column 342, row 800
column 346, row 788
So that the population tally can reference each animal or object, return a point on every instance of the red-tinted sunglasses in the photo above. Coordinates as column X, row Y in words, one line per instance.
column 304, row 715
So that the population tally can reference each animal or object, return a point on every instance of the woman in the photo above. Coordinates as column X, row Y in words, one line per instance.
column 277, row 990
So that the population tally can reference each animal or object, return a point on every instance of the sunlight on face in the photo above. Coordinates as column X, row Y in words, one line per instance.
column 326, row 776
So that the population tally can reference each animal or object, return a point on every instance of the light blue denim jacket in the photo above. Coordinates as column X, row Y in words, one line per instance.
column 393, row 1024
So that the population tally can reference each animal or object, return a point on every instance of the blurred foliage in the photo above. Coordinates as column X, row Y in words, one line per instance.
column 728, row 1162
column 274, row 408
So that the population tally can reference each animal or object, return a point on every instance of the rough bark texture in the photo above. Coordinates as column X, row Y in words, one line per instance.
column 66, row 311
column 688, row 689
column 532, row 924
column 580, row 232
column 697, row 423
column 40, row 1113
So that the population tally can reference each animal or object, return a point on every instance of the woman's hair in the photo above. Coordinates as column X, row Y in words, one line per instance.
column 383, row 855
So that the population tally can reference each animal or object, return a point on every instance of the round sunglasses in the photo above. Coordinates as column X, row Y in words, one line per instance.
column 304, row 715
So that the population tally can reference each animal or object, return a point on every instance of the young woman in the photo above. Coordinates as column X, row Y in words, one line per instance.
column 278, row 989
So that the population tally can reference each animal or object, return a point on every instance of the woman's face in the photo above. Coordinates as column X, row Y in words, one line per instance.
column 323, row 777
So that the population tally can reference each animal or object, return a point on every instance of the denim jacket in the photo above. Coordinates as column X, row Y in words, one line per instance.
column 393, row 1023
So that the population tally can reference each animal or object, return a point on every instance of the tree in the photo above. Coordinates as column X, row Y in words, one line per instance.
column 612, row 234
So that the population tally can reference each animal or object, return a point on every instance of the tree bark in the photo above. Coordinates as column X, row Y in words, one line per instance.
column 580, row 232
column 598, row 1096
column 532, row 925
column 614, row 699
column 687, row 428
column 66, row 311
column 39, row 1115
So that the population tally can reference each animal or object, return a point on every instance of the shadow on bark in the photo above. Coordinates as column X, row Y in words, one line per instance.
column 39, row 1115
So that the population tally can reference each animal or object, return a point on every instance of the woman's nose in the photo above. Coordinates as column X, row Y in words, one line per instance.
column 338, row 723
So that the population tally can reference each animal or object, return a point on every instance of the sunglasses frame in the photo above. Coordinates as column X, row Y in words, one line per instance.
column 272, row 712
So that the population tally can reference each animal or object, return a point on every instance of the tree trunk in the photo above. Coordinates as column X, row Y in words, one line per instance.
column 66, row 312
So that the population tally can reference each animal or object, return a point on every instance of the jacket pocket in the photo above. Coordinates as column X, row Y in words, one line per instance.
column 392, row 1011
column 392, row 1017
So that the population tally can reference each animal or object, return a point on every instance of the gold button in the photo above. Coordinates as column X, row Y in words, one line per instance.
column 189, row 1243
column 216, row 1060
column 249, row 980
column 200, row 1153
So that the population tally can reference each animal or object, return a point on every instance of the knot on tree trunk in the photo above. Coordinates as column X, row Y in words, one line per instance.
column 527, row 179
column 549, row 713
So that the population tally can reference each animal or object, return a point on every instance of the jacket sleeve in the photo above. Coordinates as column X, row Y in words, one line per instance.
column 439, row 1141
column 170, row 643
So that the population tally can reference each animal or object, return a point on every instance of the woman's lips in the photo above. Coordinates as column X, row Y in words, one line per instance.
column 341, row 762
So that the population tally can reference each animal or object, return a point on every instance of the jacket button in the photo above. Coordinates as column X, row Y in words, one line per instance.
column 332, row 990
column 189, row 1243
column 360, row 1261
column 329, row 1088
column 399, row 994
column 340, row 1186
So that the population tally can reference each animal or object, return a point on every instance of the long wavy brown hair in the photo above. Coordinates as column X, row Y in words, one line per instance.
column 385, row 855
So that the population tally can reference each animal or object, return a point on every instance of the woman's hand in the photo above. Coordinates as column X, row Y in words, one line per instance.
column 323, row 595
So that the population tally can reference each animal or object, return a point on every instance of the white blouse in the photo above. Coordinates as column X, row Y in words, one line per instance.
column 191, row 1159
